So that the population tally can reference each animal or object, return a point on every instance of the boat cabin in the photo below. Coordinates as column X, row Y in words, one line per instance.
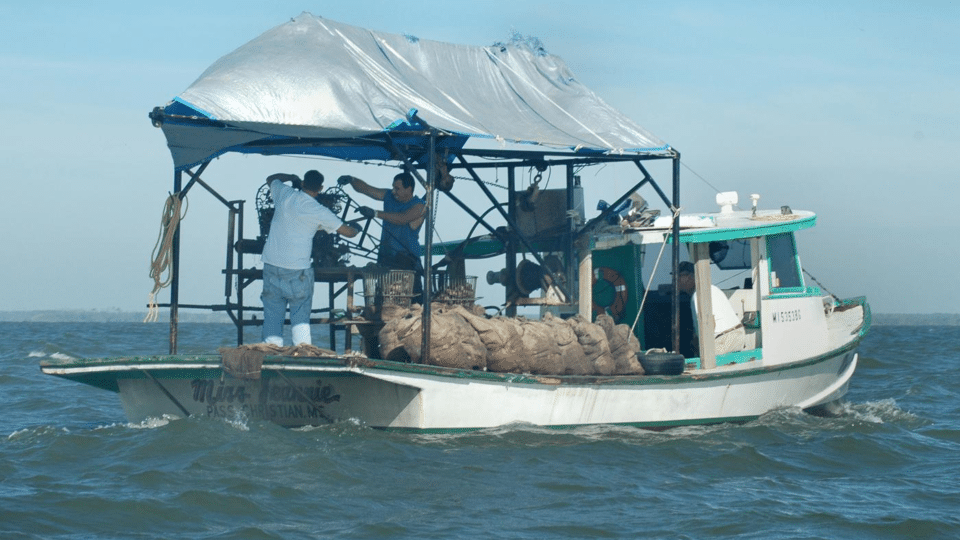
column 753, row 257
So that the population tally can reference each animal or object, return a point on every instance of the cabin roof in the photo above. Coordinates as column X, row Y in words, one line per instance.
column 698, row 228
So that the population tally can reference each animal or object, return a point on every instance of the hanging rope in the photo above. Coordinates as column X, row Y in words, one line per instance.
column 653, row 272
column 837, row 299
column 163, row 252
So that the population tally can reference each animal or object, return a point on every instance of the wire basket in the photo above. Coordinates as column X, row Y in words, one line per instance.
column 388, row 288
column 457, row 290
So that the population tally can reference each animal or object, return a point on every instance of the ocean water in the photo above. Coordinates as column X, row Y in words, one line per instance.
column 72, row 467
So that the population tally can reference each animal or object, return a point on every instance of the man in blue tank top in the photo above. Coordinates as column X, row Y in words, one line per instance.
column 402, row 215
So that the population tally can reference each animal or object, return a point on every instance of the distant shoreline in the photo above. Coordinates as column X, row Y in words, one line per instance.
column 78, row 315
column 879, row 319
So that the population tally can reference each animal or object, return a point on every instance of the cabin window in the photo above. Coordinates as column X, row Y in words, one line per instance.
column 731, row 254
column 784, row 266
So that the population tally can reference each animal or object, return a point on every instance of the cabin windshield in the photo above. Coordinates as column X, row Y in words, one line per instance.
column 731, row 254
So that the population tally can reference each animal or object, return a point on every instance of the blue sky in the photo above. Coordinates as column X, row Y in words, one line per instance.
column 850, row 109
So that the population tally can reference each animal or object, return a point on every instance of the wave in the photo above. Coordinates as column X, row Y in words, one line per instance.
column 879, row 412
column 56, row 355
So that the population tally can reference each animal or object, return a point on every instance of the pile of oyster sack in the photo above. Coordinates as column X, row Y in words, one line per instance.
column 462, row 338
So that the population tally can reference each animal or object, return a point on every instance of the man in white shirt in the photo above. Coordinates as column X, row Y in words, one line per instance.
column 287, row 271
column 729, row 334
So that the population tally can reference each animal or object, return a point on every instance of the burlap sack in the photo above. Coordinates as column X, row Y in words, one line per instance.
column 393, row 311
column 626, row 354
column 571, row 353
column 460, row 338
column 502, row 339
column 621, row 347
column 393, row 333
column 593, row 340
column 540, row 347
column 453, row 341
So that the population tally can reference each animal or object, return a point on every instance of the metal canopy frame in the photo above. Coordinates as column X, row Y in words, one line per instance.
column 400, row 146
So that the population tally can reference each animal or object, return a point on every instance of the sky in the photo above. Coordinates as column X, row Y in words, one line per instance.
column 848, row 109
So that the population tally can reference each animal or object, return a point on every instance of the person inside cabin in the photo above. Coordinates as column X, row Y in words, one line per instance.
column 729, row 334
column 403, row 215
column 287, row 272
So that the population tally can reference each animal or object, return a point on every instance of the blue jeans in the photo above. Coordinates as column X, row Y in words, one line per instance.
column 283, row 287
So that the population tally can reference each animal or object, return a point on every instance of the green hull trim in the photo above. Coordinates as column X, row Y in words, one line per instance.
column 739, row 357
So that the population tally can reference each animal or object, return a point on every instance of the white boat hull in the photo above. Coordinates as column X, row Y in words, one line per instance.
column 297, row 392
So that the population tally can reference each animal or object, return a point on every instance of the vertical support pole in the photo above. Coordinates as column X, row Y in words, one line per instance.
column 586, row 281
column 348, row 329
column 175, row 273
column 231, row 239
column 706, row 326
column 761, row 285
column 511, row 258
column 331, row 291
column 675, row 300
column 237, row 280
column 428, row 249
column 568, row 252
column 230, row 272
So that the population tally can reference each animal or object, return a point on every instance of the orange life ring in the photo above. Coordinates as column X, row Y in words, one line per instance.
column 613, row 281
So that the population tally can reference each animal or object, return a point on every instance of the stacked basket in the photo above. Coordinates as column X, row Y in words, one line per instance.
column 456, row 290
column 390, row 287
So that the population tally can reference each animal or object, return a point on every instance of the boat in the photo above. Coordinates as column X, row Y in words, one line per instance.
column 365, row 96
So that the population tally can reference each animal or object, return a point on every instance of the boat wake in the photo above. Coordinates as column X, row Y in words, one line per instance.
column 151, row 423
column 885, row 411
column 849, row 416
column 56, row 355
column 36, row 432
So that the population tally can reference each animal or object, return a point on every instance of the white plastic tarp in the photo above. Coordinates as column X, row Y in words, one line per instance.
column 313, row 77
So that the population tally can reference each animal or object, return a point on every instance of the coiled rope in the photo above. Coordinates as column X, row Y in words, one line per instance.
column 163, row 252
